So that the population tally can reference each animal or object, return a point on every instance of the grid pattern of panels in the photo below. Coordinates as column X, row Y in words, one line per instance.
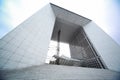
column 81, row 49
column 93, row 63
column 70, row 16
column 20, row 50
column 26, row 45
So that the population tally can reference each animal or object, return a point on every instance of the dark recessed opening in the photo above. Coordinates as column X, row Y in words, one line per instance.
column 81, row 51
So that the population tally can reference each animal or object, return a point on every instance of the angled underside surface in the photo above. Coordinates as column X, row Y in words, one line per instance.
column 67, row 22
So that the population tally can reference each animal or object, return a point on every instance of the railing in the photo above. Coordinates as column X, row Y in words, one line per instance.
column 66, row 61
column 92, row 62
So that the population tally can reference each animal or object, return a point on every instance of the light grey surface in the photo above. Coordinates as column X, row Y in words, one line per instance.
column 69, row 16
column 27, row 44
column 107, row 48
column 57, row 72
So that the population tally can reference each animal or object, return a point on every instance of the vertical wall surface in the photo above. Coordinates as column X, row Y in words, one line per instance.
column 106, row 47
column 79, row 46
column 27, row 44
column 81, row 49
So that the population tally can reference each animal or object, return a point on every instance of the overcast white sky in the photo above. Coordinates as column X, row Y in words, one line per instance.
column 106, row 13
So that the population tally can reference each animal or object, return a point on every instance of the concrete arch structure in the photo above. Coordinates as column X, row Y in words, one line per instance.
column 27, row 44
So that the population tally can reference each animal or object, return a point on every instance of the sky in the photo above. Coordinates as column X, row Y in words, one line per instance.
column 105, row 13
column 64, row 50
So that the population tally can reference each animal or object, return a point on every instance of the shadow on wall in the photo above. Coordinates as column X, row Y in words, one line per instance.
column 81, row 49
